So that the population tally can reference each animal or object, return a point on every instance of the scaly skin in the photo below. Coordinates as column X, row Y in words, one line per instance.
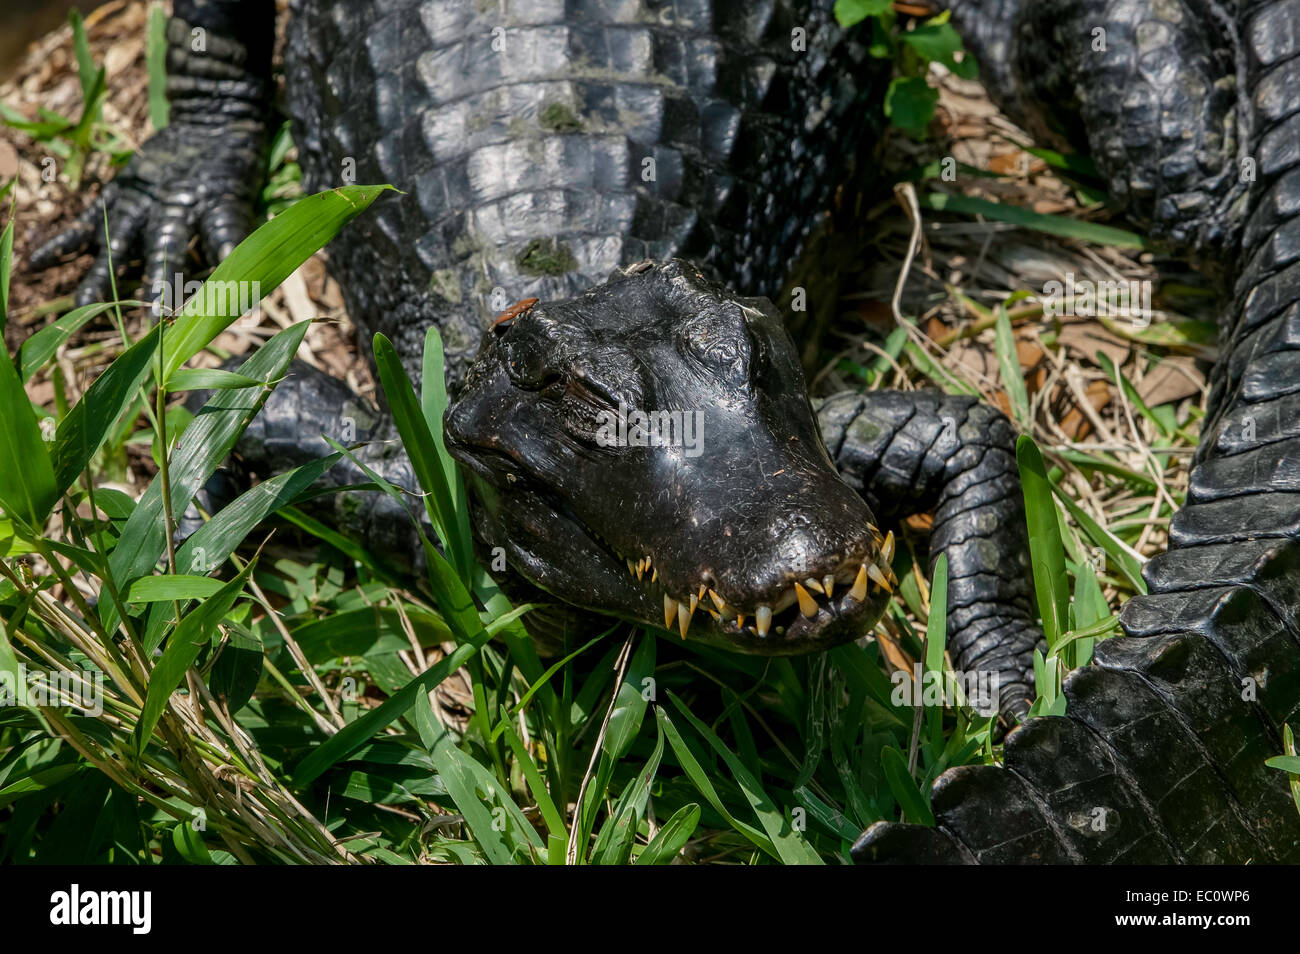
column 1161, row 754
column 919, row 452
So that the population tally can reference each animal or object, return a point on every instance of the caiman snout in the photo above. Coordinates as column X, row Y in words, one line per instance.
column 648, row 450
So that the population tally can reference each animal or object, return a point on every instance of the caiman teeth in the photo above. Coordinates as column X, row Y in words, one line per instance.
column 807, row 605
column 655, row 575
column 695, row 601
column 828, row 582
column 700, row 594
column 878, row 577
column 763, row 619
column 812, row 584
column 640, row 567
column 684, row 617
column 631, row 568
column 718, row 601
column 670, row 611
column 887, row 548
column 859, row 590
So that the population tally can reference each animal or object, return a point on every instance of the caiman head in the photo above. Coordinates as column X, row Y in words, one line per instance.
column 648, row 450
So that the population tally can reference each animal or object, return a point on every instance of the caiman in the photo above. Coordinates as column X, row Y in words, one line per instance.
column 647, row 170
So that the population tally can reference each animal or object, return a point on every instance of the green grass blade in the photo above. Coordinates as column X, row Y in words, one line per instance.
column 545, row 677
column 1289, row 763
column 155, row 58
column 700, row 779
column 936, row 373
column 355, row 734
column 433, row 402
column 536, row 784
column 454, row 600
column 418, row 440
column 614, row 843
column 904, row 787
column 501, row 830
column 1051, row 224
column 789, row 844
column 1129, row 565
column 6, row 263
column 81, row 48
column 936, row 632
column 1046, row 551
column 1013, row 378
column 1131, row 393
column 672, row 837
column 630, row 702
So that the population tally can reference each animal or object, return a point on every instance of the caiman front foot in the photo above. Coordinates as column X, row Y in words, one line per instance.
column 199, row 176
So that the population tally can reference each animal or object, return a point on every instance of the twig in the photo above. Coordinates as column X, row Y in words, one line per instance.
column 620, row 668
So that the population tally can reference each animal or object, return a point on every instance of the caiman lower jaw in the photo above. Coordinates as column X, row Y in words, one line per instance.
column 804, row 616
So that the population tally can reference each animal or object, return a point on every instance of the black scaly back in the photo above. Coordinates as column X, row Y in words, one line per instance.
column 525, row 163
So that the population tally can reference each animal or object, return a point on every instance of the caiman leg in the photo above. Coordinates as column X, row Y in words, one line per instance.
column 200, row 174
column 288, row 432
column 1160, row 757
column 914, row 452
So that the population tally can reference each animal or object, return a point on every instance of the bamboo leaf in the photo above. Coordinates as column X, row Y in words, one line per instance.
column 201, row 449
column 27, row 492
column 259, row 264
column 183, row 647
column 152, row 589
column 43, row 345
column 85, row 428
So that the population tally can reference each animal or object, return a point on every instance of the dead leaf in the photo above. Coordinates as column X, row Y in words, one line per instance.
column 1086, row 338
column 1075, row 422
column 1172, row 379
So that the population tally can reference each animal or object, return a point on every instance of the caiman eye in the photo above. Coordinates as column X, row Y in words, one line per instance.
column 724, row 350
column 586, row 402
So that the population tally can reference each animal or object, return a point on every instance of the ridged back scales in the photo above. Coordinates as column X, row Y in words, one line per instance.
column 542, row 145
